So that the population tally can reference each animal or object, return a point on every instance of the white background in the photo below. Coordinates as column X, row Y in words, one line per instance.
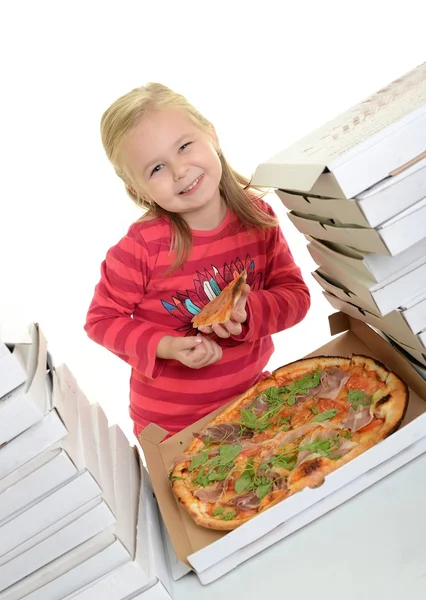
column 265, row 73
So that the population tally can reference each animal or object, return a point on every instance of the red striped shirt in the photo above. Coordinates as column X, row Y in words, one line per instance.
column 136, row 303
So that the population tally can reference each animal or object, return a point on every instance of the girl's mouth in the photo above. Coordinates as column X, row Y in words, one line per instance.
column 193, row 187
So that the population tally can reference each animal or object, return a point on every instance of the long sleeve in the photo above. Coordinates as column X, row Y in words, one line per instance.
column 285, row 299
column 109, row 322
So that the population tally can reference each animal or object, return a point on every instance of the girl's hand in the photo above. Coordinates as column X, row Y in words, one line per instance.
column 193, row 352
column 238, row 316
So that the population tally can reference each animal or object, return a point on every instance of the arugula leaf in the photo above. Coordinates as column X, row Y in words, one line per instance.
column 321, row 447
column 199, row 460
column 357, row 397
column 250, row 420
column 325, row 416
column 313, row 410
column 243, row 482
column 207, row 440
column 299, row 387
column 229, row 515
column 229, row 453
column 263, row 490
column 175, row 478
column 347, row 435
column 218, row 512
column 284, row 461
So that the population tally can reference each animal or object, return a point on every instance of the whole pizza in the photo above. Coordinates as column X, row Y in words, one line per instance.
column 286, row 433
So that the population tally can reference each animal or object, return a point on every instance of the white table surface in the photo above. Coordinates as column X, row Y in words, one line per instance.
column 372, row 547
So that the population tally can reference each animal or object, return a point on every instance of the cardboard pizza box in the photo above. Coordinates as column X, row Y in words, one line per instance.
column 378, row 267
column 379, row 298
column 393, row 323
column 47, row 510
column 67, row 574
column 148, row 572
column 53, row 472
column 390, row 238
column 83, row 524
column 370, row 208
column 30, row 444
column 211, row 553
column 101, row 567
column 26, row 404
column 12, row 369
column 357, row 149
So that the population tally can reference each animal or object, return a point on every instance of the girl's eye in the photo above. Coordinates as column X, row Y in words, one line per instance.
column 185, row 146
column 156, row 169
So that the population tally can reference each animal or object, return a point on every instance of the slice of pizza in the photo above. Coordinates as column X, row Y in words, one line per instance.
column 220, row 309
column 286, row 433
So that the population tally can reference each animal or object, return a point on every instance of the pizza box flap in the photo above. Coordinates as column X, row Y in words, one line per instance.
column 153, row 433
column 338, row 322
column 186, row 536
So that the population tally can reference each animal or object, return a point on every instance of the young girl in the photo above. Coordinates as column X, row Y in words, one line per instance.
column 203, row 224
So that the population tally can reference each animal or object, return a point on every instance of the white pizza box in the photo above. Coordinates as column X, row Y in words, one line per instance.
column 12, row 369
column 374, row 266
column 370, row 208
column 25, row 405
column 55, row 470
column 393, row 323
column 64, row 399
column 389, row 238
column 127, row 485
column 112, row 574
column 358, row 148
column 386, row 295
column 149, row 569
column 101, row 437
column 106, row 453
column 46, row 511
column 210, row 553
column 414, row 312
column 68, row 573
column 84, row 523
column 30, row 444
column 329, row 284
column 383, row 297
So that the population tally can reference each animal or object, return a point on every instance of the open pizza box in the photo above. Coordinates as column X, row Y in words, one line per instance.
column 210, row 553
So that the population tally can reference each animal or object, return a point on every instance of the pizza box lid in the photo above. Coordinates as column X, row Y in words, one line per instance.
column 362, row 146
column 213, row 553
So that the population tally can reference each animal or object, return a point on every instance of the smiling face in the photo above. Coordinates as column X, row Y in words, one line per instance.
column 174, row 163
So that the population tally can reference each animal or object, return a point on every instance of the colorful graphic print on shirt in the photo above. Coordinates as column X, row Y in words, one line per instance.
column 209, row 284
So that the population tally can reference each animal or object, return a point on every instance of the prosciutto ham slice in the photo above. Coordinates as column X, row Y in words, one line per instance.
column 245, row 501
column 210, row 495
column 331, row 383
column 286, row 437
column 260, row 405
column 357, row 419
column 344, row 446
column 225, row 433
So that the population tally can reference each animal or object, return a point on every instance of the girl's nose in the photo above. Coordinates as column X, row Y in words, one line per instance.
column 179, row 170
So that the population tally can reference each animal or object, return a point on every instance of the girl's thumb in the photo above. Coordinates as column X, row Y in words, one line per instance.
column 193, row 341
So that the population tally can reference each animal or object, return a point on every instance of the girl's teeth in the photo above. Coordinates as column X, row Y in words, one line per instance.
column 190, row 186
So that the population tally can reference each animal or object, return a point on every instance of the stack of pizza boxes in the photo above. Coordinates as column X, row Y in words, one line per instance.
column 77, row 512
column 356, row 188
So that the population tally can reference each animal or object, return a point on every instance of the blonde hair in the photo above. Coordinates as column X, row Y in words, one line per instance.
column 124, row 114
